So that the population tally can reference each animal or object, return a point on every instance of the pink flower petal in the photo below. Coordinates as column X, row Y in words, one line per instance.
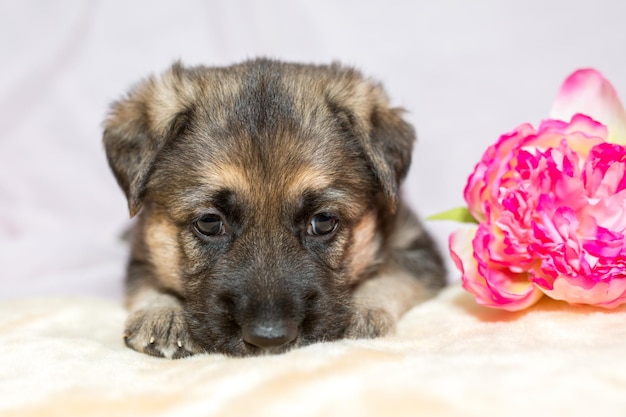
column 586, row 91
column 603, row 294
column 462, row 253
column 501, row 288
column 483, row 183
column 511, row 291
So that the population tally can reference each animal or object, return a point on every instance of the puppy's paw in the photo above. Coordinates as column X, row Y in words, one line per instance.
column 370, row 323
column 160, row 332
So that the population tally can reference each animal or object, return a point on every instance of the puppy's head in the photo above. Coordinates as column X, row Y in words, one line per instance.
column 263, row 190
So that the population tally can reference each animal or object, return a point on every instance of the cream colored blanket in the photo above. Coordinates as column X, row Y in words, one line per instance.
column 449, row 357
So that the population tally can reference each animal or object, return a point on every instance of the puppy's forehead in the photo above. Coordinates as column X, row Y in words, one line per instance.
column 261, row 178
column 265, row 179
column 267, row 135
column 261, row 189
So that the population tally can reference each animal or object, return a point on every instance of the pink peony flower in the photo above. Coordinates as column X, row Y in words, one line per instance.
column 550, row 203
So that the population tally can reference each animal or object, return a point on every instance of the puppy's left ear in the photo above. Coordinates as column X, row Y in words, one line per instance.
column 388, row 146
column 386, row 138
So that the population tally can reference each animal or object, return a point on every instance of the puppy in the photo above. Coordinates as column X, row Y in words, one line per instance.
column 268, row 213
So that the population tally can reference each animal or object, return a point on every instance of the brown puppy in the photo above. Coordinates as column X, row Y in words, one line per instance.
column 268, row 209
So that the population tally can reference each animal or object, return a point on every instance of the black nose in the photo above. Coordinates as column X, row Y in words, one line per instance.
column 270, row 334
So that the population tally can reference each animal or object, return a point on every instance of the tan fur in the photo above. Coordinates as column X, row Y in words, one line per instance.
column 161, row 241
column 305, row 179
column 385, row 298
column 265, row 148
column 148, row 298
column 406, row 230
column 226, row 175
column 169, row 96
column 365, row 247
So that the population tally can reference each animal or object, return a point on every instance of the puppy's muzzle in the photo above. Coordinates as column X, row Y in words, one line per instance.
column 270, row 334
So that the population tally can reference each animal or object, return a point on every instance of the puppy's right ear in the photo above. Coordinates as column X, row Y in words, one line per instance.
column 139, row 125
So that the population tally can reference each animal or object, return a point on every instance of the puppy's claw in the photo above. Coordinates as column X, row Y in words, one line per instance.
column 153, row 351
column 181, row 353
column 160, row 332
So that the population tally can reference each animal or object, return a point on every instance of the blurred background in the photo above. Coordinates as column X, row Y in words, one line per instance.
column 466, row 71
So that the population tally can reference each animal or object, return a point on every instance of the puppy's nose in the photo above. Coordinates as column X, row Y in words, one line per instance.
column 270, row 334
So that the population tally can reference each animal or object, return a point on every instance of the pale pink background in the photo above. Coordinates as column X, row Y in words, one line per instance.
column 466, row 71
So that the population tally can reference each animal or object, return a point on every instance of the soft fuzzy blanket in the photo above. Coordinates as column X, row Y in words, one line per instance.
column 449, row 356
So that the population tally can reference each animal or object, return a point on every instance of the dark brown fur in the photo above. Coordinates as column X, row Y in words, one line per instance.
column 265, row 146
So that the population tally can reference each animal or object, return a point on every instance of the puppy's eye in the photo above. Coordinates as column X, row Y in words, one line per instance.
column 209, row 225
column 322, row 224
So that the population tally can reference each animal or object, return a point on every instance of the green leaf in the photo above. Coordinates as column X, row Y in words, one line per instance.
column 458, row 214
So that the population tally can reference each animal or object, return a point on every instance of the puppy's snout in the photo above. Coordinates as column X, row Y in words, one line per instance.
column 270, row 334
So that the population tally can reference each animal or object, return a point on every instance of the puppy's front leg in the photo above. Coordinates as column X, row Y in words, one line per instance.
column 412, row 272
column 156, row 324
